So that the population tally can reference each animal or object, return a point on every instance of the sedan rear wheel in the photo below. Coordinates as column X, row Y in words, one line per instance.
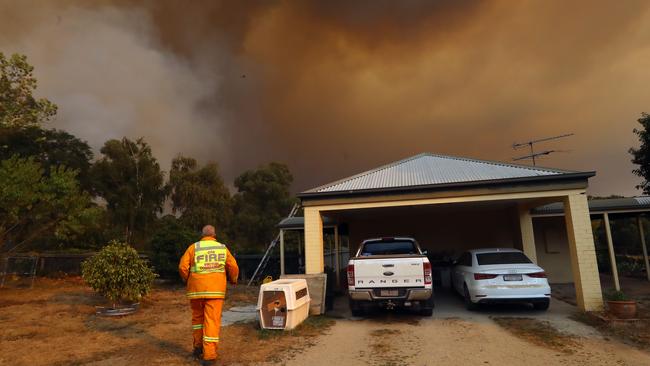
column 468, row 300
column 542, row 305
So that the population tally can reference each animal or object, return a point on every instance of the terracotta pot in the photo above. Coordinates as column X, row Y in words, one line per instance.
column 622, row 309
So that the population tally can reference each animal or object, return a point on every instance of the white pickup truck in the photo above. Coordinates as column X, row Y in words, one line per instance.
column 390, row 272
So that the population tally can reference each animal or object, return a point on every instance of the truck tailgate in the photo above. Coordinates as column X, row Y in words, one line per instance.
column 389, row 272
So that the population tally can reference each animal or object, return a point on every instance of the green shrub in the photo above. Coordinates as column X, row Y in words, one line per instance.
column 616, row 296
column 168, row 244
column 118, row 273
column 629, row 266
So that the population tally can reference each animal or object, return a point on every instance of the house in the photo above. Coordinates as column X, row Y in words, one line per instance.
column 450, row 204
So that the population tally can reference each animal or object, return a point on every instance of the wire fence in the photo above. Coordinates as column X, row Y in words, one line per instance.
column 26, row 267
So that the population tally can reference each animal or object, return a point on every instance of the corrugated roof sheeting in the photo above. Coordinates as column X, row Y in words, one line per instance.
column 431, row 169
column 645, row 200
column 600, row 205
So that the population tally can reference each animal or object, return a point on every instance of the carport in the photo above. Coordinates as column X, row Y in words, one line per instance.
column 450, row 204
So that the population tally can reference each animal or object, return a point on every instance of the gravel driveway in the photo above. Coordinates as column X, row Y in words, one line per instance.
column 454, row 336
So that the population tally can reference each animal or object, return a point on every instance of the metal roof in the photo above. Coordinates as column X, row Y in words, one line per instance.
column 432, row 170
column 298, row 222
column 600, row 205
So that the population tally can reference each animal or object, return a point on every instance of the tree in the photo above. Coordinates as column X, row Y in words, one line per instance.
column 34, row 205
column 18, row 107
column 129, row 178
column 262, row 200
column 199, row 194
column 641, row 156
column 118, row 273
column 87, row 230
column 50, row 148
column 39, row 194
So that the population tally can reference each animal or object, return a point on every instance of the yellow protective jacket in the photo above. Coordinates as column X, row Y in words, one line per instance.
column 206, row 266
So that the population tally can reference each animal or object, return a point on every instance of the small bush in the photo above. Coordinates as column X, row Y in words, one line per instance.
column 118, row 273
column 616, row 296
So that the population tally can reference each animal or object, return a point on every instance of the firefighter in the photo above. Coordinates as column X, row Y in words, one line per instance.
column 206, row 266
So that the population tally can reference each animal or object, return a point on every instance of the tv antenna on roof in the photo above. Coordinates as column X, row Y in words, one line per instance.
column 529, row 144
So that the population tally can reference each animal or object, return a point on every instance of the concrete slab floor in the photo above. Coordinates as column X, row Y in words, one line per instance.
column 238, row 314
column 449, row 305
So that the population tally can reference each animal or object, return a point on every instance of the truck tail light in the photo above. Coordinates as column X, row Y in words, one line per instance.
column 537, row 275
column 427, row 273
column 350, row 274
column 484, row 276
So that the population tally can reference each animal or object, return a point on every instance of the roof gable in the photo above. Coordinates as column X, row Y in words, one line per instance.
column 427, row 170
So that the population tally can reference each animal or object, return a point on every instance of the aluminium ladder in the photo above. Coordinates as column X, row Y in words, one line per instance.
column 267, row 254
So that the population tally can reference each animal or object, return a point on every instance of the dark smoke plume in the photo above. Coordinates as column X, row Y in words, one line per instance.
column 336, row 87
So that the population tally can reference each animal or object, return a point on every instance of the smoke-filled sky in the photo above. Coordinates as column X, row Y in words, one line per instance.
column 333, row 88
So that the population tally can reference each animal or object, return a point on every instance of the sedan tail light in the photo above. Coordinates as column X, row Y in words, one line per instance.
column 484, row 276
column 537, row 275
column 427, row 273
column 350, row 274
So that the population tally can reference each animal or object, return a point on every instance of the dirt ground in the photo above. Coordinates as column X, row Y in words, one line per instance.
column 494, row 335
column 390, row 341
column 637, row 331
column 55, row 324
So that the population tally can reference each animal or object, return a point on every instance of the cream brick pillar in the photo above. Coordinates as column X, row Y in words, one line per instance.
column 583, row 253
column 527, row 233
column 313, row 241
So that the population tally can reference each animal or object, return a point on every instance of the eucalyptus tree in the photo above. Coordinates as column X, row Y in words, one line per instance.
column 199, row 195
column 128, row 177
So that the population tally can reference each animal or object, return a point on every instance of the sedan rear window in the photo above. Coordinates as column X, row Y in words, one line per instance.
column 486, row 259
column 389, row 247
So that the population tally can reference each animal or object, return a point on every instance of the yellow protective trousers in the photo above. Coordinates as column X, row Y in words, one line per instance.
column 206, row 323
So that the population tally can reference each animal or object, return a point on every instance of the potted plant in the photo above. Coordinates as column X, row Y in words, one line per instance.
column 620, row 305
column 119, row 274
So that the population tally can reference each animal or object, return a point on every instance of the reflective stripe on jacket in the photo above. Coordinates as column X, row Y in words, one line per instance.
column 206, row 266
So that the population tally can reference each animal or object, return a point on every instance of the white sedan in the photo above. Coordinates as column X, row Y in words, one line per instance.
column 500, row 275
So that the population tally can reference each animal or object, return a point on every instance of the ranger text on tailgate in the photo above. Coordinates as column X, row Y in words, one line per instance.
column 390, row 272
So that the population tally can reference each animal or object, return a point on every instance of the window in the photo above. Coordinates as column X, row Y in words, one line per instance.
column 486, row 259
column 388, row 247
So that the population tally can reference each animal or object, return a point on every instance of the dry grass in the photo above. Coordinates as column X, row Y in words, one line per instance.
column 56, row 322
column 260, row 345
column 636, row 333
column 264, row 345
column 539, row 332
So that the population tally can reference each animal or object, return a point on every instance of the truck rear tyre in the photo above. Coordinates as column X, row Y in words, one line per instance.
column 356, row 308
column 427, row 307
